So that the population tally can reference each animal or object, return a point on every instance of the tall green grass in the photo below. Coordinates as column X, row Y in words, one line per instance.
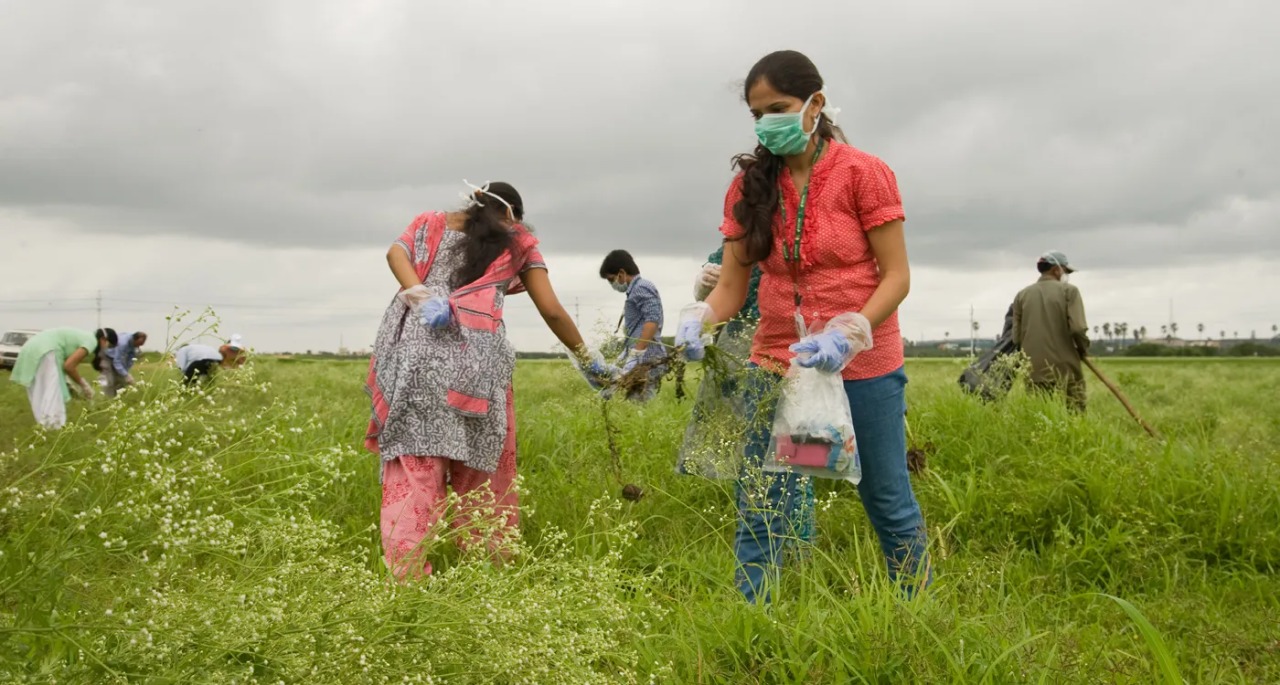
column 230, row 536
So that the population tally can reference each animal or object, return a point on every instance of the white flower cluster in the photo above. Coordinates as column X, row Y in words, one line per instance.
column 221, row 534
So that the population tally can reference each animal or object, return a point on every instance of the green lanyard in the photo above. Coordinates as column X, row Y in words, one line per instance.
column 791, row 252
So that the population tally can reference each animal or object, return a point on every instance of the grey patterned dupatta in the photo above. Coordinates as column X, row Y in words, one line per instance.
column 484, row 364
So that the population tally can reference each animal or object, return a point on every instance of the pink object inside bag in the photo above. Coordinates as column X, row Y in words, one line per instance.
column 815, row 454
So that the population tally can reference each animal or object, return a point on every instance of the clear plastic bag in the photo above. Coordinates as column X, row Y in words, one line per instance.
column 717, row 433
column 813, row 428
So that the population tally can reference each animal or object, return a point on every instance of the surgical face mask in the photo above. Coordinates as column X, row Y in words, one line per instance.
column 783, row 134
column 618, row 286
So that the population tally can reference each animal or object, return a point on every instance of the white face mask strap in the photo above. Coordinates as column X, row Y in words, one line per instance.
column 476, row 191
column 827, row 110
column 1052, row 259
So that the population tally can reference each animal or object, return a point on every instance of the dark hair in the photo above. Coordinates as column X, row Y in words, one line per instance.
column 790, row 73
column 488, row 236
column 1044, row 266
column 98, row 335
column 618, row 260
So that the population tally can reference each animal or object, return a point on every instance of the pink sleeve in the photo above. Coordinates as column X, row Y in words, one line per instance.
column 527, row 245
column 730, row 226
column 875, row 193
column 527, row 248
column 409, row 239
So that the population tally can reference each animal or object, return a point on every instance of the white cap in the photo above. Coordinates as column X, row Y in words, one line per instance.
column 236, row 341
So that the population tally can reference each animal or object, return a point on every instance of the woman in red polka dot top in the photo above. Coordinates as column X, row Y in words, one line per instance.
column 823, row 220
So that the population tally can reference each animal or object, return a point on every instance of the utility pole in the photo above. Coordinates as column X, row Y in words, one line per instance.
column 973, row 331
column 99, row 309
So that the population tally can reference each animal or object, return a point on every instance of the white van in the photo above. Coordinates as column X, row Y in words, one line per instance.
column 11, row 344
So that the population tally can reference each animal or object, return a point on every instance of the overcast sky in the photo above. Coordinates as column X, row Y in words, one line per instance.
column 260, row 156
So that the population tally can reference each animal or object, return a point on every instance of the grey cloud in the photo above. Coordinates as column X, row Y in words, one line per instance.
column 1011, row 128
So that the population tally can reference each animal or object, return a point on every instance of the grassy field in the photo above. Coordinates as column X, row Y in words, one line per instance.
column 230, row 537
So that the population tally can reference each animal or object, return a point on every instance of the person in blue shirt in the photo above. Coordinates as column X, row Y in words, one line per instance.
column 116, row 373
column 642, row 320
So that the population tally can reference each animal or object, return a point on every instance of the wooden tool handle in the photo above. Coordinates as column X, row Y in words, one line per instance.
column 1120, row 396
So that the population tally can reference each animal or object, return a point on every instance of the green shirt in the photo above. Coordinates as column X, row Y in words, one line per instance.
column 1049, row 326
column 62, row 342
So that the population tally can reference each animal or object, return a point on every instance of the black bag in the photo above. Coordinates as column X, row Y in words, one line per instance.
column 987, row 383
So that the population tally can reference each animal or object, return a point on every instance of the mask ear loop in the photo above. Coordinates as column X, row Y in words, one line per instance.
column 827, row 111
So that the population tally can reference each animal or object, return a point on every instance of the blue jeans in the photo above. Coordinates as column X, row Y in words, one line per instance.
column 768, row 502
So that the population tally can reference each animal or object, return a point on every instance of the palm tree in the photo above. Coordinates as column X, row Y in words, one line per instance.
column 1096, row 331
column 1106, row 329
column 1222, row 335
column 1173, row 330
column 1143, row 330
column 1200, row 329
column 1164, row 330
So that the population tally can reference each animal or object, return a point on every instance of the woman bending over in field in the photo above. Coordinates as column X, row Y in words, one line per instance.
column 49, row 362
column 823, row 221
column 440, row 376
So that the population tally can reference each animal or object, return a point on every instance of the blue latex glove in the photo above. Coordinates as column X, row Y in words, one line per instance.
column 435, row 312
column 689, row 336
column 828, row 352
column 597, row 374
column 689, row 331
column 593, row 368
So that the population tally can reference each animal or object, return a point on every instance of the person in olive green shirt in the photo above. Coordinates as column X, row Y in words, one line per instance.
column 1049, row 326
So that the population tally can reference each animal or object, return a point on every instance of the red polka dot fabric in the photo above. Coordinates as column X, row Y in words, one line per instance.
column 850, row 193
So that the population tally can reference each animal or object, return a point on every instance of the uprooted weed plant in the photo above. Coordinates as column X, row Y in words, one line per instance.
column 228, row 534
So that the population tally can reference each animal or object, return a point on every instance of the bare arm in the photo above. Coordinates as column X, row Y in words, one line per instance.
column 890, row 249
column 730, row 293
column 647, row 334
column 71, row 366
column 402, row 267
column 538, row 284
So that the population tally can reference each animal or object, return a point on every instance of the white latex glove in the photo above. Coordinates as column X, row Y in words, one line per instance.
column 415, row 296
column 856, row 329
column 706, row 281
column 631, row 360
column 86, row 389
